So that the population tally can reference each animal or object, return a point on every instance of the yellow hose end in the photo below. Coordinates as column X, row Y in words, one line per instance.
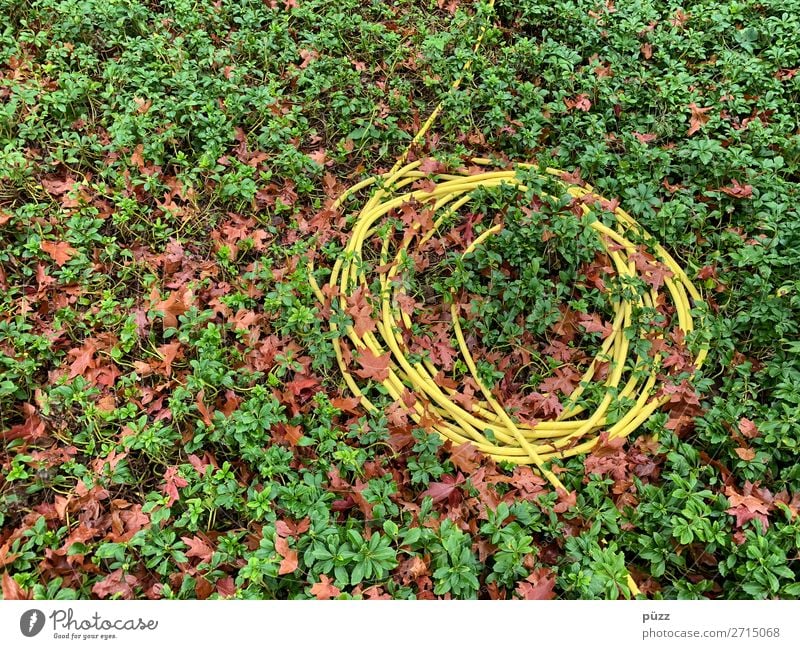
column 635, row 592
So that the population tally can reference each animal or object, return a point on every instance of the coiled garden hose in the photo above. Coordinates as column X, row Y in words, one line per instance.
column 575, row 430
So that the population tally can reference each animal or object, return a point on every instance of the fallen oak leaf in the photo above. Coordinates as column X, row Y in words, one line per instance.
column 748, row 428
column 412, row 569
column 288, row 528
column 566, row 501
column 465, row 457
column 200, row 465
column 746, row 507
column 466, row 397
column 198, row 548
column 360, row 310
column 581, row 102
column 397, row 414
column 205, row 412
column 137, row 158
column 346, row 404
column 608, row 457
column 226, row 587
column 320, row 156
column 133, row 520
column 325, row 589
column 6, row 557
column 738, row 190
column 679, row 19
column 12, row 590
column 115, row 583
column 431, row 166
column 168, row 353
column 142, row 105
column 538, row 585
column 293, row 434
column 373, row 592
column 58, row 187
column 300, row 383
column 84, row 358
column 32, row 428
column 60, row 251
column 289, row 562
column 373, row 367
column 176, row 304
column 594, row 324
column 564, row 380
column 450, row 5
column 652, row 270
column 441, row 491
column 644, row 138
column 202, row 587
column 308, row 56
column 172, row 482
column 698, row 118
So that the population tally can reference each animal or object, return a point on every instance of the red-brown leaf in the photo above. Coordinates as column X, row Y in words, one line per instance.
column 116, row 583
column 176, row 304
column 287, row 528
column 594, row 324
column 565, row 501
column 198, row 547
column 58, row 187
column 320, row 156
column 738, row 190
column 644, row 138
column 172, row 482
column 226, row 586
column 565, row 379
column 168, row 353
column 200, row 465
column 60, row 251
column 204, row 410
column 346, row 404
column 412, row 569
column 142, row 105
column 137, row 158
column 12, row 590
column 748, row 428
column 441, row 491
column 538, row 585
column 293, row 433
column 84, row 358
column 746, row 506
column 466, row 457
column 698, row 118
column 431, row 166
column 289, row 563
column 373, row 367
column 581, row 102
column 652, row 270
column 324, row 588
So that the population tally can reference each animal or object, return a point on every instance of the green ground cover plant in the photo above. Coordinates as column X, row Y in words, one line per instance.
column 174, row 422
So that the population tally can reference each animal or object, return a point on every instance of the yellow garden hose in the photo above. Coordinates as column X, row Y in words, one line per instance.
column 487, row 425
